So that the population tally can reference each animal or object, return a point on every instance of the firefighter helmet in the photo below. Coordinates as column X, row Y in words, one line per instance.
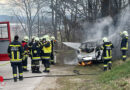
column 52, row 38
column 125, row 33
column 47, row 37
column 105, row 39
column 26, row 38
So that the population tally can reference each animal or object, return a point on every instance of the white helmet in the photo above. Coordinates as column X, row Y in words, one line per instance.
column 52, row 38
column 105, row 39
column 125, row 33
column 47, row 37
column 36, row 39
column 26, row 38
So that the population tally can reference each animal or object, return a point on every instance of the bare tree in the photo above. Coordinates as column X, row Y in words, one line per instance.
column 27, row 11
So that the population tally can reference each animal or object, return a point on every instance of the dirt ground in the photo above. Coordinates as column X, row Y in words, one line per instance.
column 59, row 83
column 50, row 83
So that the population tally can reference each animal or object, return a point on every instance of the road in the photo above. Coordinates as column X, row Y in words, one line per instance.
column 26, row 84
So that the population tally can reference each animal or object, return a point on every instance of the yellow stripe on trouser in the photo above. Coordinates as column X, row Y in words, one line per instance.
column 124, row 56
column 25, row 67
column 105, row 65
column 15, row 75
column 110, row 62
column 45, row 57
column 48, row 69
column 20, row 74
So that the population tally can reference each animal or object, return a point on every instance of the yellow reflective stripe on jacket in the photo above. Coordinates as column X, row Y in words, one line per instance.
column 108, row 45
column 18, row 55
column 15, row 45
column 107, row 53
column 127, row 45
column 16, row 60
column 12, row 53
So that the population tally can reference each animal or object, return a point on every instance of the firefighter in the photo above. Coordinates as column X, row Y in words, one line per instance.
column 52, row 50
column 107, row 53
column 46, row 53
column 30, row 45
column 35, row 64
column 124, row 44
column 15, row 52
column 25, row 55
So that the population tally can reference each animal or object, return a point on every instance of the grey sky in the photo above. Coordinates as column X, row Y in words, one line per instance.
column 4, row 7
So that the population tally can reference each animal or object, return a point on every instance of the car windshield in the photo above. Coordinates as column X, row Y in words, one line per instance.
column 88, row 47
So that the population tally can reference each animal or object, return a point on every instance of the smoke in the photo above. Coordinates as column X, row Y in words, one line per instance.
column 108, row 26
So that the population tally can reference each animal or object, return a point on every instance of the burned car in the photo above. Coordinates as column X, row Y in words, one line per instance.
column 89, row 52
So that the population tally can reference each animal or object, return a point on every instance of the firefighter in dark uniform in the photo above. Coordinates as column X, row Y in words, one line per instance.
column 107, row 53
column 35, row 64
column 52, row 50
column 30, row 45
column 25, row 54
column 124, row 44
column 15, row 52
column 46, row 53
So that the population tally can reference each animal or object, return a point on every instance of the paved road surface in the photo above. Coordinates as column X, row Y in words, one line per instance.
column 26, row 84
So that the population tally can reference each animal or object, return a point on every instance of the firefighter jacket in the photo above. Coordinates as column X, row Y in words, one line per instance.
column 15, row 51
column 25, row 48
column 52, row 44
column 35, row 51
column 124, row 43
column 30, row 48
column 107, row 50
column 46, row 50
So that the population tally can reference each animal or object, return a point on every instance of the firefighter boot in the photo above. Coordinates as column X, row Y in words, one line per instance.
column 38, row 71
column 20, row 78
column 33, row 70
column 15, row 79
column 124, row 59
column 109, row 65
column 46, row 71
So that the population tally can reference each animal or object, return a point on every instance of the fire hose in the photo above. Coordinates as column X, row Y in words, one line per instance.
column 4, row 64
column 77, row 73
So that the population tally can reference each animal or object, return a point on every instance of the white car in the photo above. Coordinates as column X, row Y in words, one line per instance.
column 89, row 51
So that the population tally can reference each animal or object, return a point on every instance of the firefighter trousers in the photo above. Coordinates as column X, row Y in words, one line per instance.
column 46, row 63
column 35, row 65
column 25, row 62
column 124, row 56
column 16, row 65
column 52, row 58
column 107, row 64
